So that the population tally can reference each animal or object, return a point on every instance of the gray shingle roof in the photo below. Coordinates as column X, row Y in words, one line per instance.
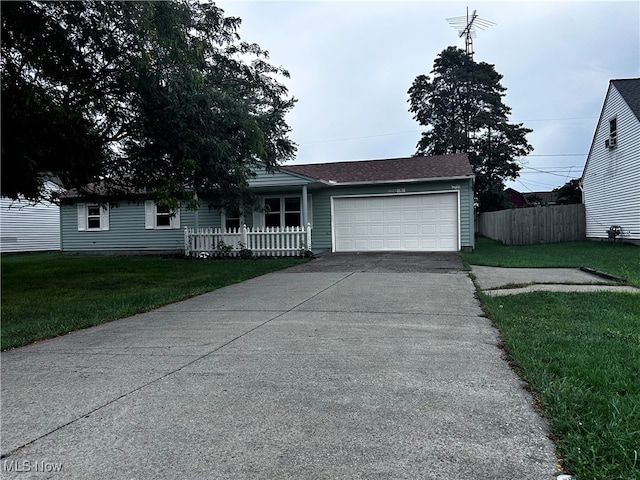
column 395, row 169
column 630, row 90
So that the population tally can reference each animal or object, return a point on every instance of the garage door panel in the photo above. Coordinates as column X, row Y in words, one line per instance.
column 359, row 216
column 376, row 230
column 360, row 230
column 374, row 244
column 410, row 230
column 422, row 222
column 375, row 216
column 410, row 216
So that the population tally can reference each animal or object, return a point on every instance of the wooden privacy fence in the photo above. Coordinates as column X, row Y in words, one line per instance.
column 270, row 241
column 527, row 226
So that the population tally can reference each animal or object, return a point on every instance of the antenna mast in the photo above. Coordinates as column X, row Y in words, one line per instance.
column 467, row 28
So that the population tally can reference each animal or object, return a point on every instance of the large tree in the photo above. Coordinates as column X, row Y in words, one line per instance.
column 461, row 106
column 569, row 193
column 158, row 98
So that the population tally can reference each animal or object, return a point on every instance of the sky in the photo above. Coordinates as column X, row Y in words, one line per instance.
column 352, row 63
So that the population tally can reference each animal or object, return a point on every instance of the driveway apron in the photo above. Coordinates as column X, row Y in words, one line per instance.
column 351, row 366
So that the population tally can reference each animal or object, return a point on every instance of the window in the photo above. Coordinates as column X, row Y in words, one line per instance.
column 613, row 133
column 272, row 212
column 163, row 217
column 93, row 217
column 292, row 211
column 157, row 217
column 282, row 212
column 231, row 220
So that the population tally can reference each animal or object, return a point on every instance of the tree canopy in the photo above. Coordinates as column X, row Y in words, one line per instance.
column 461, row 106
column 569, row 193
column 160, row 98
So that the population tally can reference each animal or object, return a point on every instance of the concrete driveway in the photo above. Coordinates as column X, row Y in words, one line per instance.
column 351, row 366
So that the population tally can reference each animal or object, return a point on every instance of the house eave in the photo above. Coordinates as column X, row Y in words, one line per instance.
column 332, row 183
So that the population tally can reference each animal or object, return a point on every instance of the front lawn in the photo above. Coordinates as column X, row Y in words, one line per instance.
column 579, row 353
column 49, row 294
column 621, row 259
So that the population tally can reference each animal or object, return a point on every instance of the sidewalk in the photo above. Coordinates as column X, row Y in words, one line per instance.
column 509, row 281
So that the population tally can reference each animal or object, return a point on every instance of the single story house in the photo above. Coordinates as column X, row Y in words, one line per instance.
column 403, row 204
column 611, row 177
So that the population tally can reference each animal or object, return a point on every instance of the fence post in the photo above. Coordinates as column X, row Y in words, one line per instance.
column 186, row 241
column 308, row 247
column 244, row 236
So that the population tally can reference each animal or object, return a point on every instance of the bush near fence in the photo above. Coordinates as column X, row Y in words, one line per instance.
column 528, row 226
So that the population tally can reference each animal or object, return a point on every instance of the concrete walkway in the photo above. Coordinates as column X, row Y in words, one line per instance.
column 509, row 281
column 310, row 373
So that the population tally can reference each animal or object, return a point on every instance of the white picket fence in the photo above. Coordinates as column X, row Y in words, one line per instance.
column 270, row 241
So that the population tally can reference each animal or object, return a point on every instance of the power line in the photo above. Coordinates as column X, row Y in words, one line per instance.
column 358, row 138
column 554, row 119
column 547, row 173
column 559, row 155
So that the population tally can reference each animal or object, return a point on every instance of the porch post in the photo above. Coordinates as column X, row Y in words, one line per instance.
column 196, row 218
column 305, row 216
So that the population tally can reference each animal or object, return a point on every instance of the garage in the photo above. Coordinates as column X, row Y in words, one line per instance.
column 409, row 222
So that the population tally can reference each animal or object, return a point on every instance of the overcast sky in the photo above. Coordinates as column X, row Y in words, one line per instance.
column 351, row 64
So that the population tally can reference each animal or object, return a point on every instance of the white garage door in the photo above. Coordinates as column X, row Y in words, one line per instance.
column 427, row 223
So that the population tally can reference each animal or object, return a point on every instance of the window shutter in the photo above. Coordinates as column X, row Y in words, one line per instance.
column 309, row 211
column 104, row 217
column 149, row 214
column 82, row 217
column 175, row 219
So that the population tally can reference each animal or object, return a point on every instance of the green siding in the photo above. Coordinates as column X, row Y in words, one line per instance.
column 277, row 179
column 127, row 230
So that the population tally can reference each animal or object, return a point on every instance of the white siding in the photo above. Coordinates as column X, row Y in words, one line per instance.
column 28, row 228
column 611, row 180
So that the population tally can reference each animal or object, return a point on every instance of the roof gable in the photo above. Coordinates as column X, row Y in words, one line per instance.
column 388, row 170
column 629, row 89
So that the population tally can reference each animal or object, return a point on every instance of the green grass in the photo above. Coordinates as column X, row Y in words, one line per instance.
column 49, row 294
column 579, row 353
column 621, row 259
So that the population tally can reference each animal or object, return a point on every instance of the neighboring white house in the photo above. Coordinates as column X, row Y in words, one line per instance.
column 611, row 176
column 25, row 227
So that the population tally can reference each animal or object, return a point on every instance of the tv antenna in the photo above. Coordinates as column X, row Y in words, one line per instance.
column 467, row 28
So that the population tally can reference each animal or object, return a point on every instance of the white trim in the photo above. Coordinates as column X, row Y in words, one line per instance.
column 223, row 219
column 104, row 217
column 151, row 217
column 83, row 217
column 149, row 214
column 435, row 192
column 259, row 217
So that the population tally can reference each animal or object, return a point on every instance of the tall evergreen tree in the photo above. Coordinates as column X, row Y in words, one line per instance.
column 461, row 107
column 153, row 97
